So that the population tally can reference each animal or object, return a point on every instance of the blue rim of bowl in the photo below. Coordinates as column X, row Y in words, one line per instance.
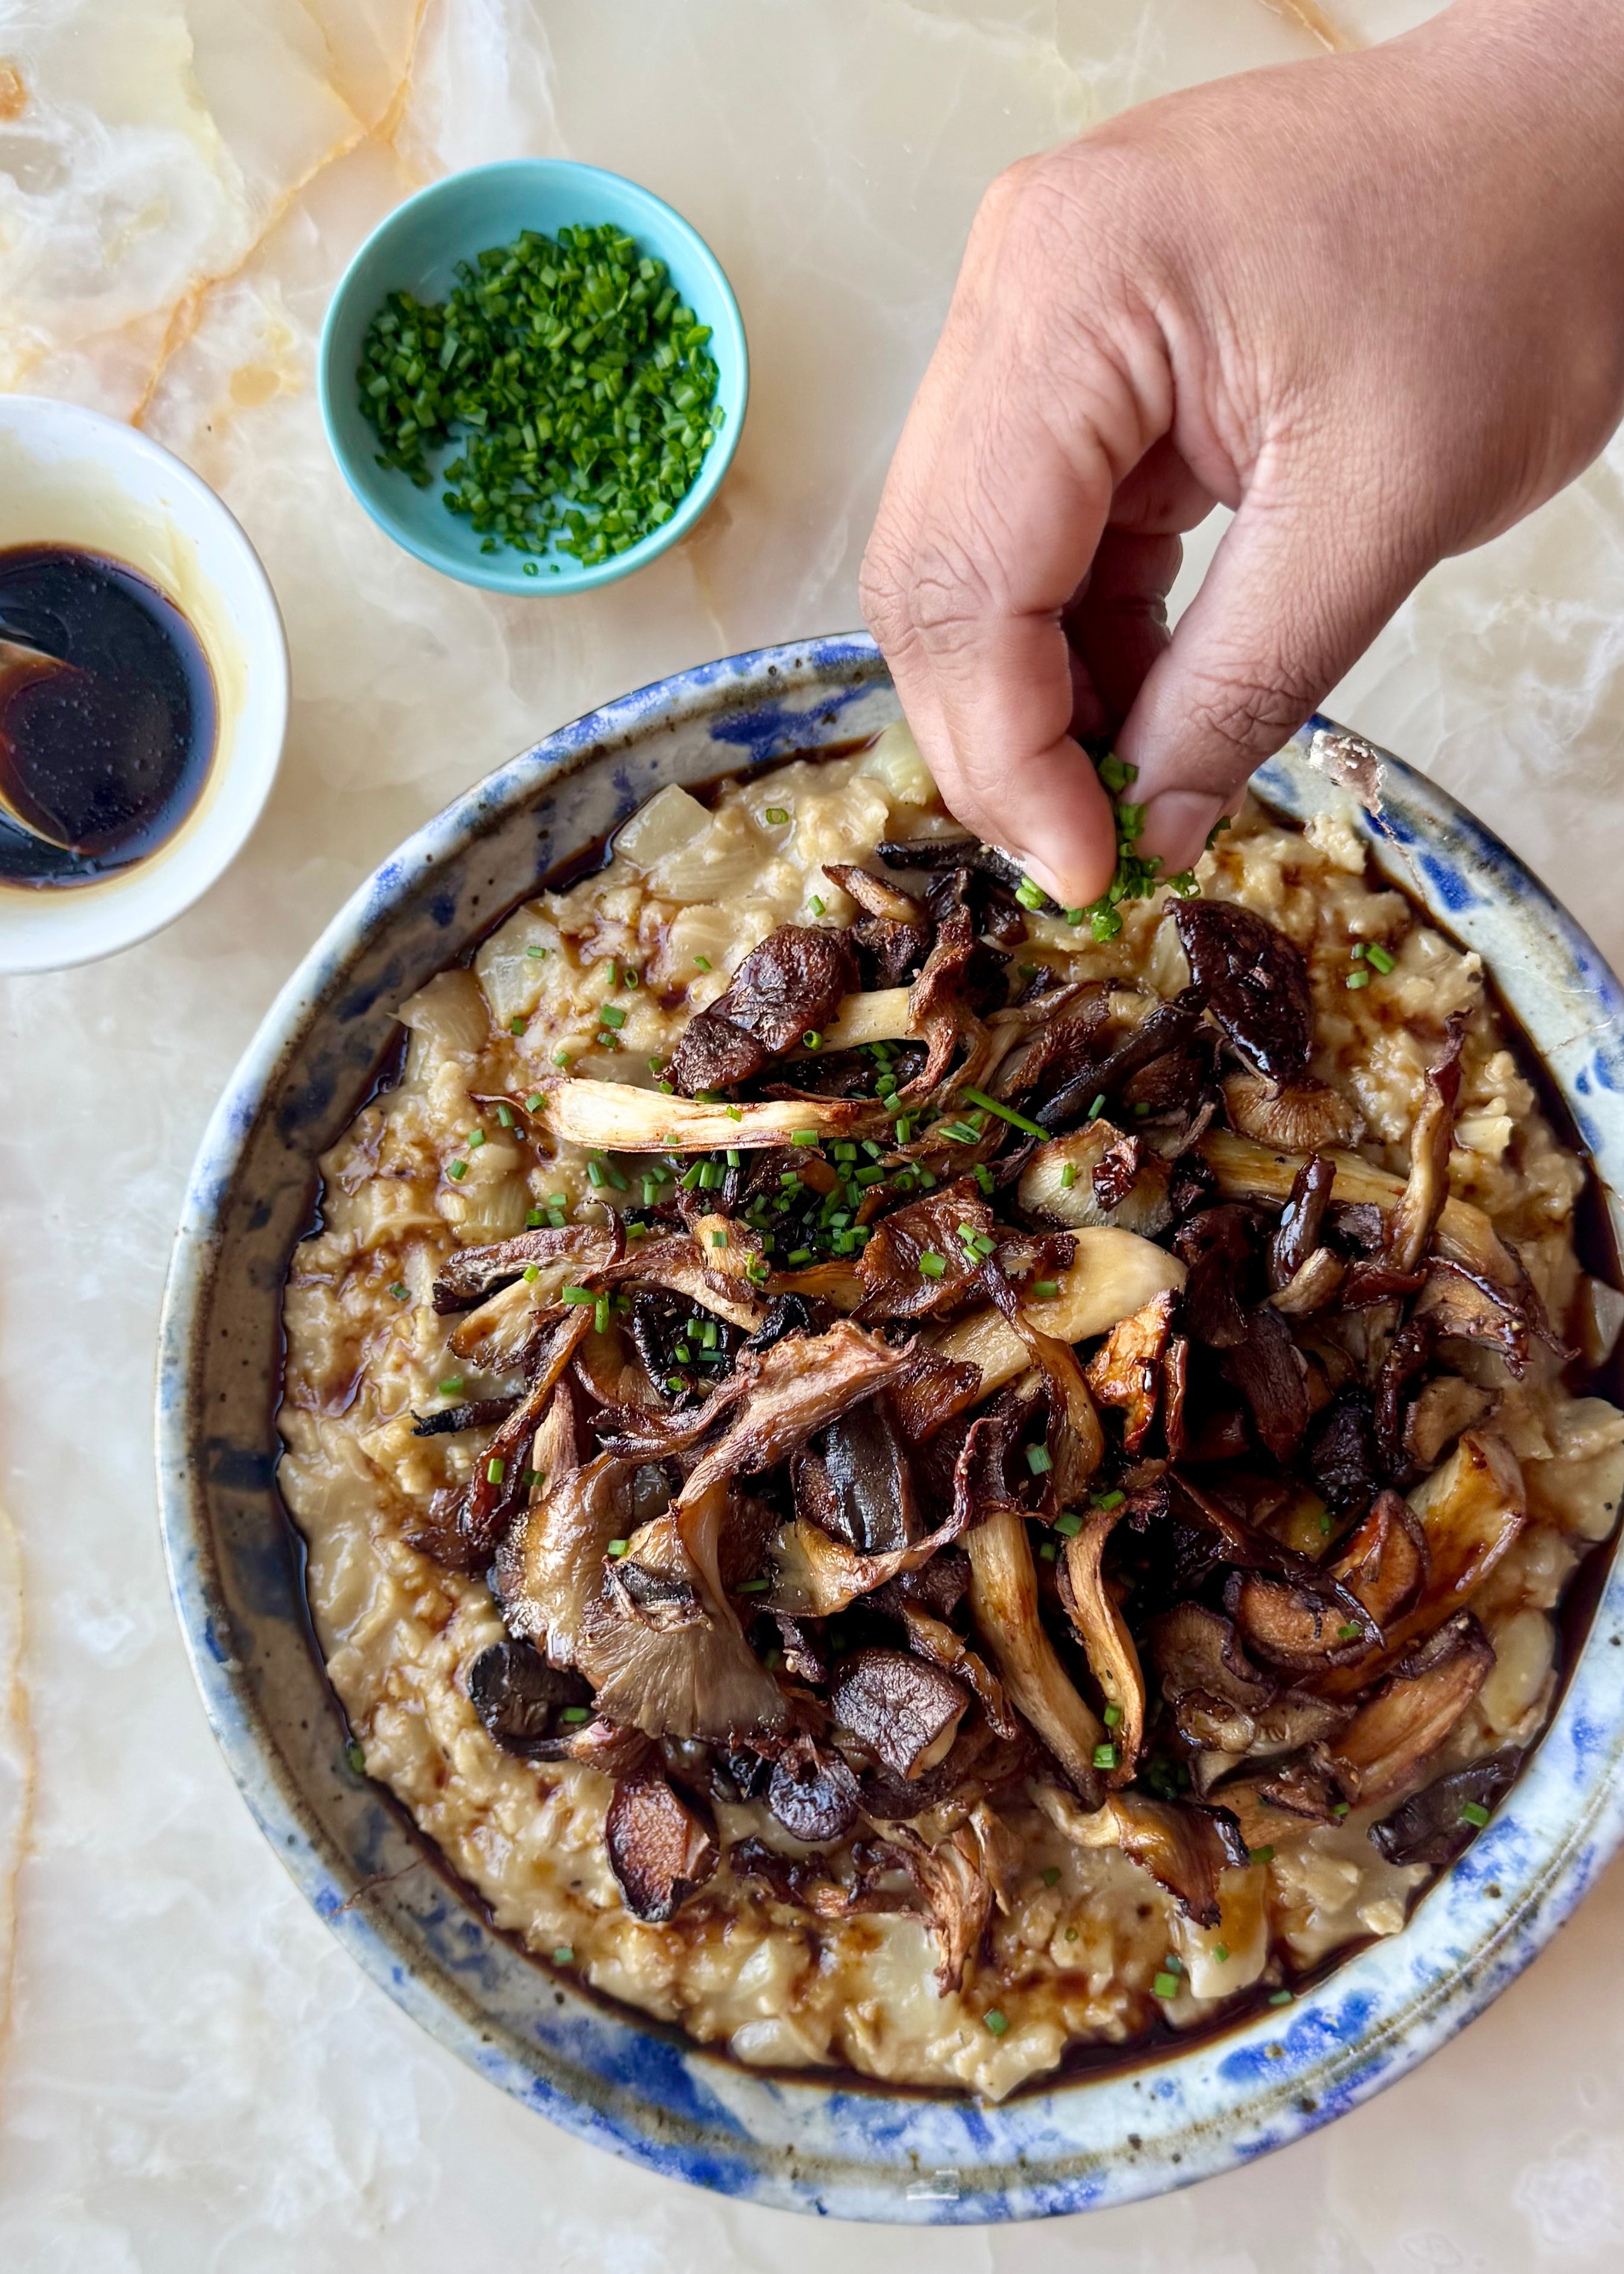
column 678, row 2109
column 512, row 580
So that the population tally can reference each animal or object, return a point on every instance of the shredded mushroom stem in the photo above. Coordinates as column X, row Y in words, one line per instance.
column 1247, row 1172
column 1113, row 1275
column 1112, row 1659
column 1004, row 1599
column 613, row 1116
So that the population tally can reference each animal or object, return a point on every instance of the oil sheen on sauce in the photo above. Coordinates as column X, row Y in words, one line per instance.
column 101, row 762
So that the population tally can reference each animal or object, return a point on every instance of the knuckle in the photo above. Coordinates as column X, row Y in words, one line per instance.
column 1252, row 717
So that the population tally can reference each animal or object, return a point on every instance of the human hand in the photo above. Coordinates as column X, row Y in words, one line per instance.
column 1375, row 303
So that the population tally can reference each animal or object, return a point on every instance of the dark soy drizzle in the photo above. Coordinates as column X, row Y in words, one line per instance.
column 104, row 762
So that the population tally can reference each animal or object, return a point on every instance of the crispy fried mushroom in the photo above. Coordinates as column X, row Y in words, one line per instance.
column 660, row 1849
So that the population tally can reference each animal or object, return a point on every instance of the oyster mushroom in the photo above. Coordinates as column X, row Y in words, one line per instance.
column 1048, row 1194
column 858, row 1487
column 903, row 1710
column 784, row 989
column 943, row 1646
column 1127, row 1368
column 813, row 1793
column 558, row 1253
column 1385, row 1563
column 944, row 1228
column 1299, row 1117
column 613, row 1116
column 1107, row 1645
column 1429, row 1826
column 493, row 1494
column 1182, row 1845
column 1409, row 1717
column 1410, row 1228
column 519, row 1698
column 1113, row 1275
column 1255, row 982
column 1003, row 1602
column 1297, row 1239
column 1439, row 1412
column 660, row 1849
column 1305, row 1626
column 1249, row 1171
column 955, row 1892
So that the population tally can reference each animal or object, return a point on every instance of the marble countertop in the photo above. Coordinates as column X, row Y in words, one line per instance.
column 194, row 2077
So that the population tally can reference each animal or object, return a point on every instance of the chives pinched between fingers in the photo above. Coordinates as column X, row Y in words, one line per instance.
column 582, row 391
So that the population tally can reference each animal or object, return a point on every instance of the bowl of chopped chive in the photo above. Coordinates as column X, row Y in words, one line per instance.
column 533, row 376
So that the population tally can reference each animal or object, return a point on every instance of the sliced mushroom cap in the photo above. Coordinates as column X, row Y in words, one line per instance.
column 518, row 1698
column 1410, row 1229
column 1385, row 1562
column 1267, row 1368
column 1255, row 983
column 813, row 1793
column 1108, row 1645
column 1197, row 1649
column 1409, row 1717
column 1003, row 1602
column 903, row 1710
column 660, row 1849
column 550, row 1569
column 856, row 1483
column 944, row 1645
column 895, row 1285
column 1127, row 1368
column 1439, row 1413
column 1305, row 1629
column 1463, row 1307
column 1428, row 1827
column 1182, row 1845
column 1301, row 1220
column 1299, row 1117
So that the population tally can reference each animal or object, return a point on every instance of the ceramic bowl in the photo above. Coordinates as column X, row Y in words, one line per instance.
column 417, row 250
column 68, row 476
column 800, row 2141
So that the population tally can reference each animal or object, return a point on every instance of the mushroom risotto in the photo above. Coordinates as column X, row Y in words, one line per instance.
column 904, row 1477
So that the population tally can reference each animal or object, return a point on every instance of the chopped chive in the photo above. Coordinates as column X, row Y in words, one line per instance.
column 579, row 1295
column 1280, row 1997
column 812, row 1040
column 1339, row 1808
column 1165, row 1985
column 595, row 1174
column 1048, row 1551
column 996, row 2022
column 1097, row 1108
column 1046, row 1290
column 1071, row 1524
column 564, row 1955
column 612, row 1014
column 534, row 1102
column 777, row 815
column 576, row 1713
column 753, row 1587
column 803, row 1136
column 1113, row 1716
column 1473, row 1812
column 400, row 1291
column 719, row 1239
column 815, row 905
column 1108, row 1499
column 456, row 1170
column 1030, row 896
column 1051, row 1874
column 452, row 1385
column 1350, row 1630
column 533, row 1272
column 797, row 1257
column 931, row 1264
column 1360, row 978
column 495, row 1469
column 504, row 1114
column 516, row 1026
column 533, row 1218
column 1260, row 1855
column 1038, row 1460
column 733, row 1112
column 1106, row 1757
column 1380, row 956
column 1004, row 1112
column 534, row 952
column 1068, row 1175
column 732, row 1156
column 560, row 1057
column 704, row 961
column 355, row 1758
column 1221, row 1952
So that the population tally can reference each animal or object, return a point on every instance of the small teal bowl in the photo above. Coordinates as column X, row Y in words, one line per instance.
column 417, row 250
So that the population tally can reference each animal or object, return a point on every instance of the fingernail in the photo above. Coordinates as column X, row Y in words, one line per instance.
column 1178, row 824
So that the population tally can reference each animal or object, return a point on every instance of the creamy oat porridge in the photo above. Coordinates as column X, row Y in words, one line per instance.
column 900, row 1484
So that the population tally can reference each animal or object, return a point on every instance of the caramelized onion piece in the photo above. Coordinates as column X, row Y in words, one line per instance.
column 660, row 1849
column 903, row 1710
column 1103, row 1632
column 1409, row 1717
column 1003, row 1602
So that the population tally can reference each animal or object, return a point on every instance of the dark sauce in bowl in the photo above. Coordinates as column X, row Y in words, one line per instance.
column 101, row 763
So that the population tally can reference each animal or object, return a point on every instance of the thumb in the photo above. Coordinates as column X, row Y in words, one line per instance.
column 1294, row 596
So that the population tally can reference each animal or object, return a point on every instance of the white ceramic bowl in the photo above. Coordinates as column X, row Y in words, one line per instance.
column 68, row 476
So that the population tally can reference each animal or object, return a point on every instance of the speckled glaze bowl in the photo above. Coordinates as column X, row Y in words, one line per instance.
column 804, row 2143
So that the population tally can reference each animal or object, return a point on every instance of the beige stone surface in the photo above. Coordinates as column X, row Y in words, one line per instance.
column 195, row 2076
